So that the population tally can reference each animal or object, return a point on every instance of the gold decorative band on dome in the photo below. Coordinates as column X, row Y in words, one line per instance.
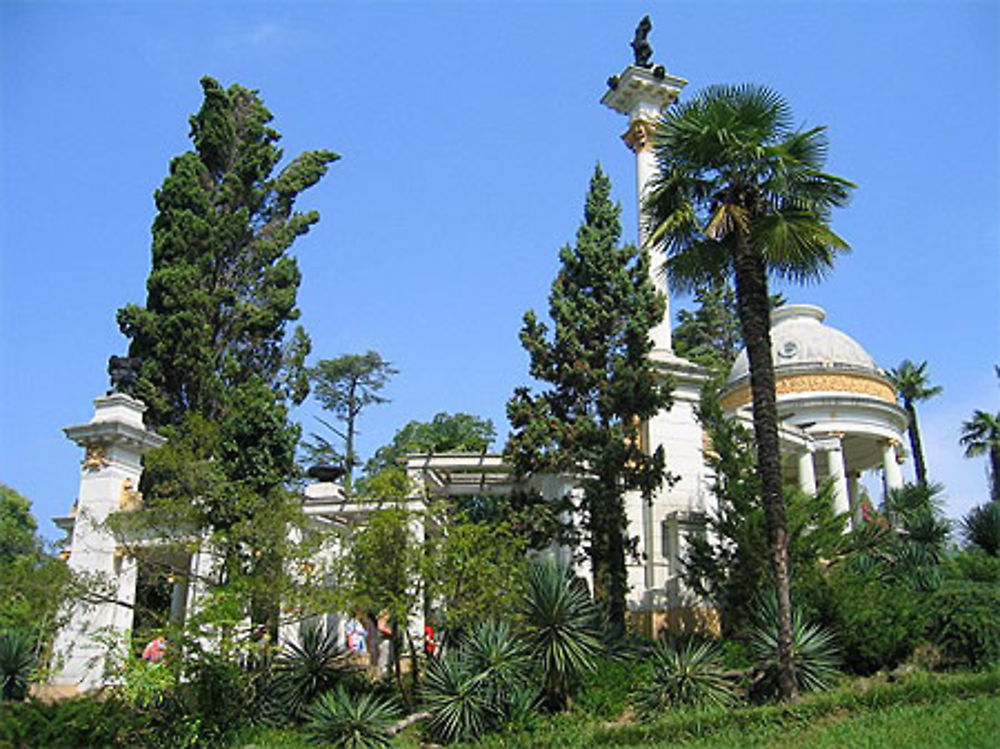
column 857, row 384
column 639, row 136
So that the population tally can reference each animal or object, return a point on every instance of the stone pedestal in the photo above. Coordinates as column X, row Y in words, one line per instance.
column 113, row 441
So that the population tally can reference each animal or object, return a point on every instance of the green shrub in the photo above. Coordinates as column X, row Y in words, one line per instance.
column 982, row 527
column 966, row 622
column 605, row 692
column 305, row 670
column 561, row 627
column 815, row 654
column 459, row 708
column 345, row 721
column 74, row 723
column 686, row 674
column 17, row 664
column 878, row 623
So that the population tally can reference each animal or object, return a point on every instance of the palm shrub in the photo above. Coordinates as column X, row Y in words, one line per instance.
column 460, row 709
column 479, row 686
column 17, row 664
column 815, row 655
column 561, row 627
column 686, row 674
column 345, row 721
column 982, row 527
column 306, row 669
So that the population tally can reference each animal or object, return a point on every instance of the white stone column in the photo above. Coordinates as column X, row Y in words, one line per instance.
column 838, row 475
column 807, row 472
column 890, row 466
column 642, row 94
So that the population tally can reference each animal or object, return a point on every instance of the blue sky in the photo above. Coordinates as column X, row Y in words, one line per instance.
column 468, row 132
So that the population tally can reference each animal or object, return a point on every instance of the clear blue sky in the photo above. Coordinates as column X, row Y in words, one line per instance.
column 468, row 132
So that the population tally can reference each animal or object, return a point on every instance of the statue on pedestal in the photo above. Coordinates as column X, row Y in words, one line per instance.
column 124, row 373
column 641, row 47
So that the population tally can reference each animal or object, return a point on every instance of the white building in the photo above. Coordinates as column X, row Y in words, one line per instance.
column 839, row 419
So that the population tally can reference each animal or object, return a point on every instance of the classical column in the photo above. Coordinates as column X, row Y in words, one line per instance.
column 838, row 475
column 642, row 93
column 890, row 466
column 807, row 472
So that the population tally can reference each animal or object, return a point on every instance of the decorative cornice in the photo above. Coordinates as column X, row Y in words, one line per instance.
column 839, row 382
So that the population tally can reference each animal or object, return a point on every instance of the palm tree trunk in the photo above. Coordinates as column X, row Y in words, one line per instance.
column 995, row 473
column 754, row 312
column 915, row 445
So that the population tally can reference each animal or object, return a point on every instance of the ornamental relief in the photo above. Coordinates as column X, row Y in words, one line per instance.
column 639, row 136
column 818, row 383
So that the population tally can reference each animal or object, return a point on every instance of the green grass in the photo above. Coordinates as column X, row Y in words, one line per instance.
column 930, row 711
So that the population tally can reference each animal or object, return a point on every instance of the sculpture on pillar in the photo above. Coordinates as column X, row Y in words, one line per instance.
column 641, row 47
column 124, row 373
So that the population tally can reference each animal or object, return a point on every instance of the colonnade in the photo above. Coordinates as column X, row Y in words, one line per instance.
column 846, row 484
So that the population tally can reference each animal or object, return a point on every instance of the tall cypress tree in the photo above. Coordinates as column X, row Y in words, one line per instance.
column 218, row 368
column 602, row 386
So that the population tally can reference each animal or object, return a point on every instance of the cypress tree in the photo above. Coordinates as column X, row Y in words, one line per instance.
column 602, row 385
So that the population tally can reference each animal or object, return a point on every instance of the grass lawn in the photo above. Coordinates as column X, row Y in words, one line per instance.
column 929, row 711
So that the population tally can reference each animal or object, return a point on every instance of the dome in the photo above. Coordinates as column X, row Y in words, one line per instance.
column 801, row 342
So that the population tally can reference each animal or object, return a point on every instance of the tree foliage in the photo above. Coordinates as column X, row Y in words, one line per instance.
column 981, row 436
column 218, row 368
column 741, row 193
column 912, row 386
column 602, row 385
column 346, row 386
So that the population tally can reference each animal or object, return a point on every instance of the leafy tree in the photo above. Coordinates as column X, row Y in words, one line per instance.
column 218, row 370
column 346, row 386
column 730, row 564
column 445, row 433
column 603, row 385
column 981, row 436
column 982, row 527
column 910, row 381
column 34, row 583
column 742, row 194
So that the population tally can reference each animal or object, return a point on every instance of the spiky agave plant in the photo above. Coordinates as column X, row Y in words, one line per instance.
column 17, row 664
column 561, row 627
column 460, row 707
column 345, row 721
column 815, row 655
column 306, row 669
column 686, row 674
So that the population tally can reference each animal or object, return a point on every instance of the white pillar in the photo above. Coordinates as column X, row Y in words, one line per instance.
column 807, row 472
column 642, row 94
column 890, row 466
column 835, row 467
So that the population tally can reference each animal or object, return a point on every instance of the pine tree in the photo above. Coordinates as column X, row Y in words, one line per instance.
column 217, row 372
column 602, row 386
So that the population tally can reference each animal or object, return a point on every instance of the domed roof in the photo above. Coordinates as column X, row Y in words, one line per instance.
column 801, row 342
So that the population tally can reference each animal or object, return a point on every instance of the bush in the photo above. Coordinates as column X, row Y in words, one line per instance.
column 17, row 664
column 815, row 654
column 74, row 723
column 973, row 565
column 605, row 691
column 982, row 527
column 345, row 721
column 305, row 670
column 966, row 622
column 686, row 674
column 878, row 624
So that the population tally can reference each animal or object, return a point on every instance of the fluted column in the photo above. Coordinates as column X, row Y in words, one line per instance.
column 853, row 495
column 807, row 472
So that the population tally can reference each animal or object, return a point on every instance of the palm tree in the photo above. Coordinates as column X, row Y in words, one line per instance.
column 981, row 436
column 741, row 194
column 910, row 381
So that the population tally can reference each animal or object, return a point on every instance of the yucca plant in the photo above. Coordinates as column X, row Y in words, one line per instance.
column 982, row 527
column 561, row 627
column 460, row 706
column 686, row 674
column 815, row 655
column 500, row 659
column 17, row 664
column 344, row 721
column 304, row 670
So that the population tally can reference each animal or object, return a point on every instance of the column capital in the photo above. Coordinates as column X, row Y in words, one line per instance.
column 639, row 136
